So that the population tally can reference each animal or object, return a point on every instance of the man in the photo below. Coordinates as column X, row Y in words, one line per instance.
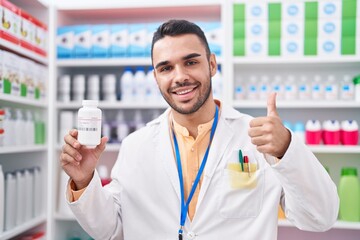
column 202, row 170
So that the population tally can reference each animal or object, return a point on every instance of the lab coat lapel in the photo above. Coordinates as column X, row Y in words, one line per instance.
column 222, row 137
column 164, row 150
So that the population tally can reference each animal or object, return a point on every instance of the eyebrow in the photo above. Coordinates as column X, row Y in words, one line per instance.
column 189, row 56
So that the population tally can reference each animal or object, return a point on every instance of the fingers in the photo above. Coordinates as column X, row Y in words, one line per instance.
column 71, row 139
column 101, row 147
column 70, row 155
column 271, row 105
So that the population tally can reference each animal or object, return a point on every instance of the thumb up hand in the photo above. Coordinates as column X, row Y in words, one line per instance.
column 268, row 133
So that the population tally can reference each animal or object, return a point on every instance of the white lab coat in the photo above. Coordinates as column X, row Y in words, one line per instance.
column 143, row 199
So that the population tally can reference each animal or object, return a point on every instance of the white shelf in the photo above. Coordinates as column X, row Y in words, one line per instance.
column 297, row 104
column 300, row 60
column 23, row 101
column 23, row 149
column 110, row 62
column 337, row 225
column 334, row 149
column 22, row 228
column 23, row 51
column 114, row 105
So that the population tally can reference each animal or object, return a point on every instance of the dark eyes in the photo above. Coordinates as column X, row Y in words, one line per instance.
column 187, row 63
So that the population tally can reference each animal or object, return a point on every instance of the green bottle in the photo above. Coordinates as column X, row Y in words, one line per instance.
column 349, row 193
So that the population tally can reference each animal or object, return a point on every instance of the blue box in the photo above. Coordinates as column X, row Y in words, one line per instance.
column 65, row 42
column 119, row 40
column 82, row 41
column 100, row 41
column 138, row 42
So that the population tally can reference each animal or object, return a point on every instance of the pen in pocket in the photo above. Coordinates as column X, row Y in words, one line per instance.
column 241, row 160
column 246, row 160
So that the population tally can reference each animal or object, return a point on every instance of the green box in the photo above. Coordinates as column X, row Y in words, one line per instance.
column 239, row 30
column 349, row 9
column 348, row 27
column 274, row 29
column 239, row 12
column 239, row 47
column 348, row 46
column 274, row 11
column 23, row 90
column 274, row 47
column 310, row 47
column 311, row 10
column 311, row 29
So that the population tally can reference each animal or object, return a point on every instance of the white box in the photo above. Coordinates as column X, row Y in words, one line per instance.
column 329, row 9
column 82, row 40
column 256, row 47
column 138, row 40
column 256, row 29
column 119, row 40
column 329, row 28
column 10, row 26
column 100, row 40
column 292, row 11
column 293, row 47
column 65, row 42
column 11, row 73
column 214, row 36
column 256, row 10
column 151, row 28
column 328, row 47
column 292, row 29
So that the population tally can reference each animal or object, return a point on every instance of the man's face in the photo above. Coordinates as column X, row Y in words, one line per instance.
column 183, row 72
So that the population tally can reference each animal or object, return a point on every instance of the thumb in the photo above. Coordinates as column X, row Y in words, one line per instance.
column 271, row 105
column 101, row 147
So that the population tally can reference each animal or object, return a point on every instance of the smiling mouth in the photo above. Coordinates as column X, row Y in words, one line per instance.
column 184, row 91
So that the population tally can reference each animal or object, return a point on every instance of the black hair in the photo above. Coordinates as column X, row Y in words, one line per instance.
column 179, row 27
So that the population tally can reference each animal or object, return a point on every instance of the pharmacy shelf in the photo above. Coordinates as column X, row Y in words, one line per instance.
column 337, row 225
column 23, row 51
column 22, row 228
column 296, row 104
column 23, row 149
column 23, row 101
column 114, row 105
column 110, row 62
column 338, row 149
column 298, row 60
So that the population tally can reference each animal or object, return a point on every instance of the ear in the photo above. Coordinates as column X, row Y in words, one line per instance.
column 213, row 64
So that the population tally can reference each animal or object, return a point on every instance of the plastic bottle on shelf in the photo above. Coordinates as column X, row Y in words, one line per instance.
column 38, row 191
column 290, row 89
column 317, row 88
column 331, row 132
column 349, row 194
column 2, row 117
column 109, row 87
column 10, row 201
column 217, row 82
column 331, row 88
column 20, row 198
column 278, row 87
column 28, row 208
column 66, row 123
column 62, row 207
column 104, row 175
column 30, row 128
column 264, row 87
column 20, row 131
column 151, row 86
column 356, row 82
column 313, row 132
column 349, row 132
column 89, row 124
column 252, row 88
column 240, row 90
column 347, row 90
column 304, row 88
column 93, row 87
column 138, row 120
column 140, row 84
column 78, row 87
column 122, row 129
column 64, row 87
column 9, row 128
column 127, row 85
column 2, row 200
column 299, row 131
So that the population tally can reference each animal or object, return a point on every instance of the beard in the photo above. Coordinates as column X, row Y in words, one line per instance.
column 199, row 102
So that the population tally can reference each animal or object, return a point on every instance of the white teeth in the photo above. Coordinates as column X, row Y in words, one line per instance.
column 184, row 92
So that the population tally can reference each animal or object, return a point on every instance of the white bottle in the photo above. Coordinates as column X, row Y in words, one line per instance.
column 28, row 208
column 317, row 88
column 240, row 90
column 138, row 121
column 252, row 88
column 20, row 133
column 93, row 87
column 2, row 200
column 151, row 86
column 278, row 87
column 10, row 202
column 38, row 192
column 304, row 88
column 299, row 131
column 140, row 85
column 30, row 128
column 331, row 88
column 64, row 86
column 78, row 87
column 89, row 124
column 290, row 88
column 9, row 128
column 347, row 90
column 109, row 87
column 264, row 87
column 217, row 80
column 122, row 129
column 127, row 85
column 20, row 198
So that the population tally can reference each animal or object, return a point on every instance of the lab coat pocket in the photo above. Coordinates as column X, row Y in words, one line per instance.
column 241, row 195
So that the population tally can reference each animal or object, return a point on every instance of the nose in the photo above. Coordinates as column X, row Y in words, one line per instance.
column 180, row 74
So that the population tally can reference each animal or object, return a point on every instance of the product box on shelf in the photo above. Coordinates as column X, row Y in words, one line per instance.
column 138, row 37
column 100, row 40
column 151, row 28
column 214, row 36
column 40, row 37
column 10, row 22
column 11, row 76
column 119, row 40
column 82, row 41
column 65, row 42
column 27, row 30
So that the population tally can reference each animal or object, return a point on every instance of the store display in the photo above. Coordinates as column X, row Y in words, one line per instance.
column 349, row 132
column 331, row 132
column 313, row 132
column 64, row 88
column 109, row 87
column 10, row 201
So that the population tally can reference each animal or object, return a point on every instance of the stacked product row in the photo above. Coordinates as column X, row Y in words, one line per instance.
column 22, row 77
column 21, row 127
column 288, row 87
column 20, row 197
column 120, row 40
column 20, row 27
column 296, row 29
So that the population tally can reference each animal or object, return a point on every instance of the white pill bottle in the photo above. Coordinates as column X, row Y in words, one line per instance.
column 89, row 124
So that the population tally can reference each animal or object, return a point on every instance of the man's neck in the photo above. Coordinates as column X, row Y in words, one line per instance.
column 192, row 121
